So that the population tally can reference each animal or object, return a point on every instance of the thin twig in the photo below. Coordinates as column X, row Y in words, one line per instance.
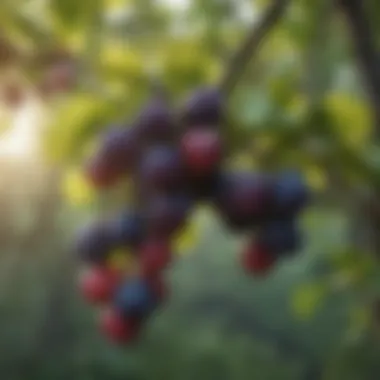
column 367, row 56
column 249, row 48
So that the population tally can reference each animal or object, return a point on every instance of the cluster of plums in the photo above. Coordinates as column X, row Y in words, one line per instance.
column 176, row 160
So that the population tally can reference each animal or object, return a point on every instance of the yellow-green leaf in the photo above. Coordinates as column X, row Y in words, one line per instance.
column 118, row 61
column 350, row 117
column 316, row 178
column 76, row 189
column 353, row 264
column 72, row 123
column 187, row 238
column 307, row 298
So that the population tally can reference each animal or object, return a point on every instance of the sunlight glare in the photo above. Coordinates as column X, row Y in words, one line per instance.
column 21, row 140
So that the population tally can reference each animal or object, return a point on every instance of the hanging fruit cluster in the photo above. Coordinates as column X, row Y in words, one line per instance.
column 175, row 162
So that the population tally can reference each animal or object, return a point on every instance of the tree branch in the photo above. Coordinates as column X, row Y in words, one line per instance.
column 368, row 59
column 242, row 57
column 367, row 56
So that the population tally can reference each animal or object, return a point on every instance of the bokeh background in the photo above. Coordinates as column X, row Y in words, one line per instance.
column 69, row 68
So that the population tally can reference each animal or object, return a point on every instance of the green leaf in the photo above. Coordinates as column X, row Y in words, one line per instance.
column 119, row 62
column 359, row 322
column 350, row 118
column 30, row 29
column 70, row 12
column 307, row 298
column 75, row 122
column 352, row 268
column 316, row 177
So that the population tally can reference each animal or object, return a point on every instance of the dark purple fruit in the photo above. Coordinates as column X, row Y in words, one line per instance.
column 121, row 148
column 135, row 299
column 95, row 242
column 205, row 187
column 204, row 108
column 156, row 122
column 243, row 198
column 280, row 236
column 129, row 229
column 165, row 215
column 202, row 151
column 117, row 156
column 290, row 194
column 100, row 174
column 162, row 168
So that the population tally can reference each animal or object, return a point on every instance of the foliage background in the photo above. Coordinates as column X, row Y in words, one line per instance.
column 300, row 103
